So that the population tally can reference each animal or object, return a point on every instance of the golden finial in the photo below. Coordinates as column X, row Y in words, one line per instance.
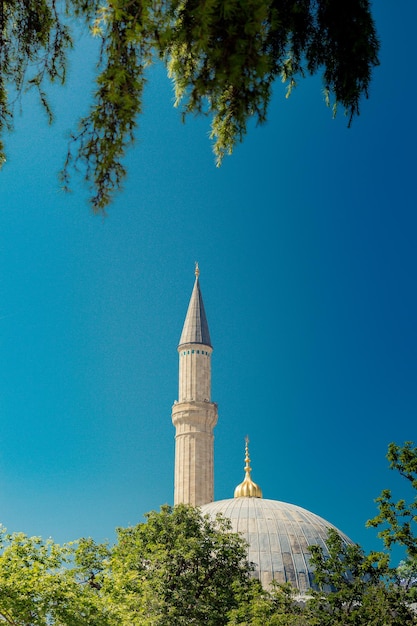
column 197, row 270
column 248, row 489
column 248, row 468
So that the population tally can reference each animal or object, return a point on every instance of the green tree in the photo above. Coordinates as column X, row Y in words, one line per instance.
column 222, row 55
column 407, row 576
column 34, row 39
column 177, row 569
column 355, row 588
column 276, row 606
column 38, row 586
column 398, row 519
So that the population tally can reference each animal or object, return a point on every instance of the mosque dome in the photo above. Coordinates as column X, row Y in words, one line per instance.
column 278, row 535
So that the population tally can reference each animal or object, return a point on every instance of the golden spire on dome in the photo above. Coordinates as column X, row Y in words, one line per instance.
column 197, row 270
column 248, row 489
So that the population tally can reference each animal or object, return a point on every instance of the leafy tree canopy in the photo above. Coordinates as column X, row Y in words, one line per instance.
column 359, row 589
column 353, row 589
column 178, row 569
column 276, row 606
column 38, row 586
column 407, row 576
column 398, row 519
column 222, row 55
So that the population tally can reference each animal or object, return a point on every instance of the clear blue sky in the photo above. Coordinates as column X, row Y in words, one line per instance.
column 306, row 239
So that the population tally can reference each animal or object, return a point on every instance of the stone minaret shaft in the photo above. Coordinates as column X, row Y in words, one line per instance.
column 194, row 415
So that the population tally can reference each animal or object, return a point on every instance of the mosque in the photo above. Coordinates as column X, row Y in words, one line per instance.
column 278, row 534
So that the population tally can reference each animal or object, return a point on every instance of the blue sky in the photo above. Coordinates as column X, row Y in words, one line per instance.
column 306, row 239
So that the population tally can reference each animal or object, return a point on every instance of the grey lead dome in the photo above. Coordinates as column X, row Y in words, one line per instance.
column 278, row 535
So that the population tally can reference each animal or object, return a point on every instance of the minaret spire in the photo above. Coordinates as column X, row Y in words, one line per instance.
column 194, row 415
column 195, row 329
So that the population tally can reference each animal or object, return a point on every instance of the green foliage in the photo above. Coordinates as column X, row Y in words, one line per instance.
column 398, row 520
column 346, row 568
column 407, row 576
column 276, row 606
column 178, row 568
column 39, row 588
column 378, row 605
column 33, row 44
column 222, row 55
column 355, row 588
column 104, row 134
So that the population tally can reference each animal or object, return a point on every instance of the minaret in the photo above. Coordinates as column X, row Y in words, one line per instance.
column 194, row 415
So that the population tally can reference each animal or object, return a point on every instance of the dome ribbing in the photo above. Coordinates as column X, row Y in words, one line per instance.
column 278, row 535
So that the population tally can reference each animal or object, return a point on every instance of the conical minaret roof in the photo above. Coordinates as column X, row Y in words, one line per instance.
column 195, row 328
